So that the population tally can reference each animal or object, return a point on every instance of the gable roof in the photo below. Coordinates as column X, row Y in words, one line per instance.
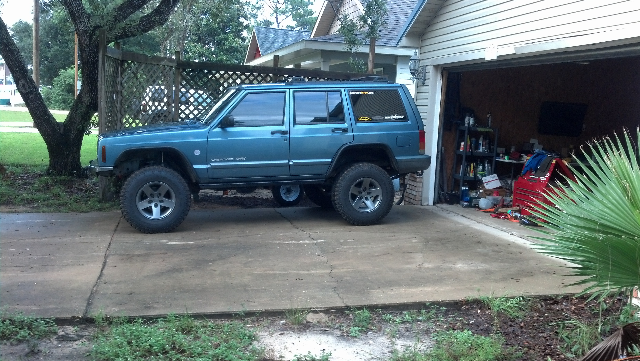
column 272, row 39
column 400, row 14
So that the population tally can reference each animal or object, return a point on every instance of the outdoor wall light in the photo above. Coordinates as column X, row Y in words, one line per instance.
column 417, row 72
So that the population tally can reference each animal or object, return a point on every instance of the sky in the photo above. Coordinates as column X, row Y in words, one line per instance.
column 12, row 11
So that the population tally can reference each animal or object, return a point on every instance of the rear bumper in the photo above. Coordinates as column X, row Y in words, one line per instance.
column 413, row 164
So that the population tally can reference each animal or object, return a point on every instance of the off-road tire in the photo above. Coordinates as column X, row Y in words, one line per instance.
column 287, row 195
column 363, row 194
column 155, row 200
column 318, row 195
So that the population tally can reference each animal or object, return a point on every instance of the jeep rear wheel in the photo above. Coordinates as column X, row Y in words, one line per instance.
column 287, row 195
column 319, row 195
column 363, row 194
column 155, row 200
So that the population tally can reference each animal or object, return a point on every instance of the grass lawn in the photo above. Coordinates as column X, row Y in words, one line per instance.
column 20, row 116
column 30, row 149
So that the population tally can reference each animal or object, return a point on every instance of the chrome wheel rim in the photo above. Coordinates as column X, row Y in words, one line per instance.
column 365, row 195
column 290, row 193
column 155, row 200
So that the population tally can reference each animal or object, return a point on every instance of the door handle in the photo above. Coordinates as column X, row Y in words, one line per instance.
column 282, row 132
column 339, row 130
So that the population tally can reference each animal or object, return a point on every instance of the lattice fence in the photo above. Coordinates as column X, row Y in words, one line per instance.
column 139, row 90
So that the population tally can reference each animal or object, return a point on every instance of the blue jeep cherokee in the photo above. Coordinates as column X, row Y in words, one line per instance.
column 341, row 143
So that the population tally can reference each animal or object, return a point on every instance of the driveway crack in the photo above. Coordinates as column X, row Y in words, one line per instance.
column 319, row 252
column 94, row 289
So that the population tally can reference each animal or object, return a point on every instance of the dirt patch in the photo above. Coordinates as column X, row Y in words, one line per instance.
column 533, row 336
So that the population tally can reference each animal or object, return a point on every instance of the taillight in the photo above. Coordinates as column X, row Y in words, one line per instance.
column 104, row 154
column 421, row 142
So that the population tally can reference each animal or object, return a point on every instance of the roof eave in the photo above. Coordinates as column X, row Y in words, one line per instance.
column 310, row 45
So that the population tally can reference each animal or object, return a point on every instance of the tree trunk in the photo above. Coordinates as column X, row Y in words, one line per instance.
column 64, row 140
column 372, row 55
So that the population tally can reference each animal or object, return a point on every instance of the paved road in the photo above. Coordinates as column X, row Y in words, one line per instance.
column 231, row 260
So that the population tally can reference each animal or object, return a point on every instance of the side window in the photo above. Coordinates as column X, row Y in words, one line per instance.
column 378, row 106
column 259, row 110
column 318, row 108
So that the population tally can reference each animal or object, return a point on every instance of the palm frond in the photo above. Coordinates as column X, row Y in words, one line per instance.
column 616, row 345
column 594, row 222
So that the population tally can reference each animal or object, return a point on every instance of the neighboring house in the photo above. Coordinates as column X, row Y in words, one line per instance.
column 324, row 49
column 8, row 92
column 510, row 57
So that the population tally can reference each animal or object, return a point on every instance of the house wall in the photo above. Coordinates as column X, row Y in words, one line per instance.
column 351, row 8
column 477, row 31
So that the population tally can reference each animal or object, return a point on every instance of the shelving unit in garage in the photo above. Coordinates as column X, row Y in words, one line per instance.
column 473, row 160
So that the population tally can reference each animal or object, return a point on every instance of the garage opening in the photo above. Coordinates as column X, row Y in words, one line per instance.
column 552, row 107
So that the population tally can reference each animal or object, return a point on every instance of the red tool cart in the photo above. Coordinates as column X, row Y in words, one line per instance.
column 532, row 187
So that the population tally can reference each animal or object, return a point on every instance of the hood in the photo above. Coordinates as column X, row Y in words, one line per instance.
column 157, row 128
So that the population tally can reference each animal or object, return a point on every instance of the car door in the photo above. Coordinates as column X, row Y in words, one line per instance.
column 320, row 128
column 257, row 144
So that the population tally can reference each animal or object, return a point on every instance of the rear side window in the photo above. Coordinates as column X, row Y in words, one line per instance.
column 259, row 110
column 318, row 107
column 378, row 106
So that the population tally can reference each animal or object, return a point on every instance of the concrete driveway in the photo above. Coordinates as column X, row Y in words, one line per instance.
column 234, row 260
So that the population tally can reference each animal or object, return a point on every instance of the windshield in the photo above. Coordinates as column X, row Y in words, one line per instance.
column 224, row 99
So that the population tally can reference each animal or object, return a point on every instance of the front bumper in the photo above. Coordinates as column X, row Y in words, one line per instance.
column 96, row 170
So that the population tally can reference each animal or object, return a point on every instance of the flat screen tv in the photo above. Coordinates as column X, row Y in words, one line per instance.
column 564, row 119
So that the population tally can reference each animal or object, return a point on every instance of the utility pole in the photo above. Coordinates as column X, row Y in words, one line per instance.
column 36, row 42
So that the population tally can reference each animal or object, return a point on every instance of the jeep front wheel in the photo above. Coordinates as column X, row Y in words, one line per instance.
column 155, row 200
column 287, row 195
column 363, row 194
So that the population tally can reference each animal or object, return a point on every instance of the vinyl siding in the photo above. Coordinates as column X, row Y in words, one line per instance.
column 468, row 27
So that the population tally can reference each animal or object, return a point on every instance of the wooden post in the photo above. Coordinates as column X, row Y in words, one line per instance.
column 176, row 88
column 276, row 61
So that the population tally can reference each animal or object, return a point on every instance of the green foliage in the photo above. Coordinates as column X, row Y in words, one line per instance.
column 56, row 41
column 29, row 149
column 465, row 346
column 21, row 116
column 60, row 96
column 366, row 27
column 577, row 337
column 594, row 223
column 424, row 315
column 373, row 18
column 176, row 338
column 310, row 357
column 296, row 316
column 31, row 188
column 279, row 11
column 19, row 327
column 361, row 322
column 514, row 308
column 214, row 31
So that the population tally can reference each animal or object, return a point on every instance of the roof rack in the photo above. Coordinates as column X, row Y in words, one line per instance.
column 369, row 78
column 373, row 78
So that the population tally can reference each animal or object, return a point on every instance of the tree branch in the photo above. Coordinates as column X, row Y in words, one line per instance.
column 126, row 9
column 79, row 15
column 155, row 18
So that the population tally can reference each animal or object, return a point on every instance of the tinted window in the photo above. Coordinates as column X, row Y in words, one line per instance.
column 318, row 107
column 378, row 106
column 259, row 109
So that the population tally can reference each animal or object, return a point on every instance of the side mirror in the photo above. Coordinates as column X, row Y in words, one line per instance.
column 228, row 121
